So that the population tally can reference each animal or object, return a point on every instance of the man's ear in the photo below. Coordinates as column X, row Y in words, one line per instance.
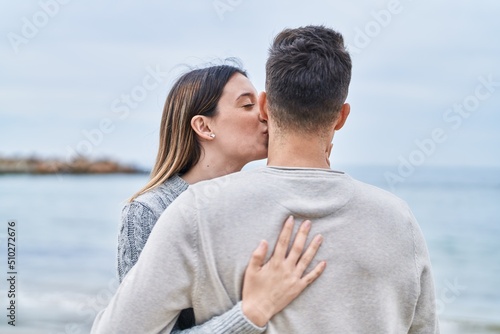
column 344, row 113
column 263, row 106
column 201, row 125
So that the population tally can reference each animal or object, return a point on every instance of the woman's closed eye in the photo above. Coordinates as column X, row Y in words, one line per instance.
column 249, row 106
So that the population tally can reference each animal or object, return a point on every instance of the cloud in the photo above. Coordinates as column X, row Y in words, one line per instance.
column 419, row 61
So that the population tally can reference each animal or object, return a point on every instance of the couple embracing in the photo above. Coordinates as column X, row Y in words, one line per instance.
column 364, row 269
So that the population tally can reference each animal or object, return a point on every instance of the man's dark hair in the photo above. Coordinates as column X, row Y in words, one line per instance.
column 307, row 77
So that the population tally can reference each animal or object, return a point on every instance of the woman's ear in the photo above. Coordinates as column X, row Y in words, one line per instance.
column 201, row 125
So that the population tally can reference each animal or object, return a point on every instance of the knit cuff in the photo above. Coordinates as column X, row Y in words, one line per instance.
column 234, row 321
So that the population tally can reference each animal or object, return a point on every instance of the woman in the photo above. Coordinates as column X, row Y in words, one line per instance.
column 211, row 127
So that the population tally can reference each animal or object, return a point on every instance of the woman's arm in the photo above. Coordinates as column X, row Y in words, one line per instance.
column 137, row 222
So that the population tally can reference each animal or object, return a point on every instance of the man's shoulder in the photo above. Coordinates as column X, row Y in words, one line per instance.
column 383, row 206
column 371, row 192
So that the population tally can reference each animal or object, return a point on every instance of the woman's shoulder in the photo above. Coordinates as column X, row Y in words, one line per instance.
column 160, row 197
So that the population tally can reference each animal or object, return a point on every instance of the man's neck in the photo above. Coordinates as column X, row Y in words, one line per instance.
column 297, row 151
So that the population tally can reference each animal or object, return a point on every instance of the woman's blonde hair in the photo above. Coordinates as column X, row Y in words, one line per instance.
column 195, row 93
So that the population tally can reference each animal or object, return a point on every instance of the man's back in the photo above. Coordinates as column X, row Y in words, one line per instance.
column 378, row 278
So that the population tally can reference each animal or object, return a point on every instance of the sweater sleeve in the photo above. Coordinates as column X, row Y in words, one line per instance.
column 425, row 320
column 159, row 286
column 151, row 297
column 137, row 223
column 233, row 321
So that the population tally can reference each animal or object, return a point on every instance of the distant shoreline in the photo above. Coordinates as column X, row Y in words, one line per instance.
column 81, row 165
column 465, row 326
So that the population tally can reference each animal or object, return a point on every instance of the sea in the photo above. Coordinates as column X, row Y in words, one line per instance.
column 65, row 229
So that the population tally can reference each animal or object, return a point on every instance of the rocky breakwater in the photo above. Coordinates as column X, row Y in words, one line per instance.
column 55, row 166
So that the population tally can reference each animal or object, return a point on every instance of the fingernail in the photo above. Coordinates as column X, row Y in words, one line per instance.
column 319, row 239
column 307, row 224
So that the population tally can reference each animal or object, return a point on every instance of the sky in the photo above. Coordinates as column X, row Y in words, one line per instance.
column 91, row 77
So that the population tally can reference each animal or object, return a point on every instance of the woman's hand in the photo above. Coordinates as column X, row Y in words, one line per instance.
column 269, row 287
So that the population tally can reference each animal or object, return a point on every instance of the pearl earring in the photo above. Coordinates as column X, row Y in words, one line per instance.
column 212, row 135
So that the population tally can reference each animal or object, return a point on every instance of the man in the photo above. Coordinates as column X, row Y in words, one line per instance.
column 378, row 278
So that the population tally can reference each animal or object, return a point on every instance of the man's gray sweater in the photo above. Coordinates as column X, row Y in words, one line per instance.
column 378, row 277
